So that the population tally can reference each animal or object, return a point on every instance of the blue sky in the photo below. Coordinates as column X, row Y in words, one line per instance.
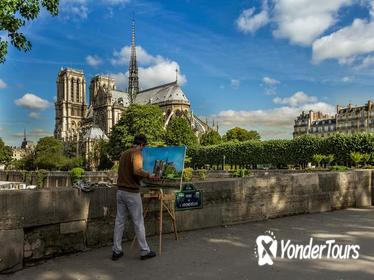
column 254, row 64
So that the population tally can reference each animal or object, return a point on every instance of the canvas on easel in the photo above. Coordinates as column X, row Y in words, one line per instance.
column 166, row 163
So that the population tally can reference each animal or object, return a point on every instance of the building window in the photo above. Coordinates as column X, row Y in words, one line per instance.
column 72, row 89
column 78, row 87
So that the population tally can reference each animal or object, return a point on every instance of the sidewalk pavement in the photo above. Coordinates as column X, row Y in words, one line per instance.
column 228, row 253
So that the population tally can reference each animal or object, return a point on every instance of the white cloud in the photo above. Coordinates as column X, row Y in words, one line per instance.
column 235, row 84
column 297, row 99
column 367, row 62
column 32, row 101
column 270, row 81
column 346, row 43
column 156, row 70
column 74, row 9
column 271, row 123
column 121, row 79
column 122, row 57
column 248, row 21
column 347, row 79
column 2, row 84
column 93, row 60
column 34, row 115
column 302, row 21
column 163, row 72
column 270, row 85
column 299, row 21
column 151, row 76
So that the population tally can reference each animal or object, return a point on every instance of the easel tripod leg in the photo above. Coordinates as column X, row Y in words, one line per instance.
column 160, row 226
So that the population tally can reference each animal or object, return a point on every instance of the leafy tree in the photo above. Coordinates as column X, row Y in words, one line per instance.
column 211, row 137
column 5, row 153
column 145, row 119
column 241, row 135
column 179, row 132
column 25, row 163
column 49, row 154
column 14, row 14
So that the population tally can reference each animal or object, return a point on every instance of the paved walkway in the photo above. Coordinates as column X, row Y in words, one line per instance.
column 227, row 253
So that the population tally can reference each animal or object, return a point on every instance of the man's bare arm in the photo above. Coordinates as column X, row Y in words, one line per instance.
column 138, row 166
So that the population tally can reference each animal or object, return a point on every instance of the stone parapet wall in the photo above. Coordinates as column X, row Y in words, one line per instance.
column 40, row 224
column 55, row 179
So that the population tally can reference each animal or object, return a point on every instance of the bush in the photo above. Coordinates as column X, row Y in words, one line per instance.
column 356, row 157
column 41, row 175
column 76, row 174
column 202, row 174
column 115, row 167
column 318, row 158
column 240, row 173
column 338, row 168
column 187, row 174
column 368, row 167
column 278, row 153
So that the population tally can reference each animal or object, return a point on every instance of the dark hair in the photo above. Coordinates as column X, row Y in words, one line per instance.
column 140, row 139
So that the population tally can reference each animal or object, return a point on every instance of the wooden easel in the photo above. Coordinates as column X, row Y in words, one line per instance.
column 166, row 202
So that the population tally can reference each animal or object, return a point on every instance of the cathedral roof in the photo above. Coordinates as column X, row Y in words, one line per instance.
column 120, row 97
column 163, row 93
column 94, row 132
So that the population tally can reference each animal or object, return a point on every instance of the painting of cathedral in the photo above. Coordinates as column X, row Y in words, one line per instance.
column 83, row 123
column 164, row 162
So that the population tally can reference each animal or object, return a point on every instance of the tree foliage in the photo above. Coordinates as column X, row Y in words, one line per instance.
column 49, row 154
column 178, row 132
column 144, row 119
column 14, row 14
column 241, row 135
column 211, row 137
column 5, row 153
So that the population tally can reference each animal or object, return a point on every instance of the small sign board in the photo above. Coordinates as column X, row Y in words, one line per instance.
column 189, row 198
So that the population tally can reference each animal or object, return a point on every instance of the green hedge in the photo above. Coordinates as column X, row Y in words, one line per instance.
column 298, row 151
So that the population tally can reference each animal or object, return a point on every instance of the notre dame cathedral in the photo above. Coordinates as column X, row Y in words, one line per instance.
column 77, row 122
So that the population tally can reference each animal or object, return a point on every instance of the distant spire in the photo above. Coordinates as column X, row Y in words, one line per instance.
column 24, row 134
column 176, row 75
column 133, row 88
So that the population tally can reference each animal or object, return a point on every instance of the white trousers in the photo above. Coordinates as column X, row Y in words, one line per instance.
column 129, row 203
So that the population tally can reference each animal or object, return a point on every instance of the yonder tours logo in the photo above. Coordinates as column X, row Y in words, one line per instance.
column 268, row 248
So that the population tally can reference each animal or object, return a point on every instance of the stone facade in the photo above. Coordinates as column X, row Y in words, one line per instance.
column 347, row 120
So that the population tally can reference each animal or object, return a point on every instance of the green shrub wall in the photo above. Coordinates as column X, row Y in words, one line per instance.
column 277, row 153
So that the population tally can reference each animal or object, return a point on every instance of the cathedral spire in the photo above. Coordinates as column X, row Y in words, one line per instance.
column 133, row 88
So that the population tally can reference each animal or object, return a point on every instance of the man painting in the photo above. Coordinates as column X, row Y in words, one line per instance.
column 130, row 173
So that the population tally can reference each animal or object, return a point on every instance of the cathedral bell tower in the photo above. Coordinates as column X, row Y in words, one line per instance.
column 70, row 104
